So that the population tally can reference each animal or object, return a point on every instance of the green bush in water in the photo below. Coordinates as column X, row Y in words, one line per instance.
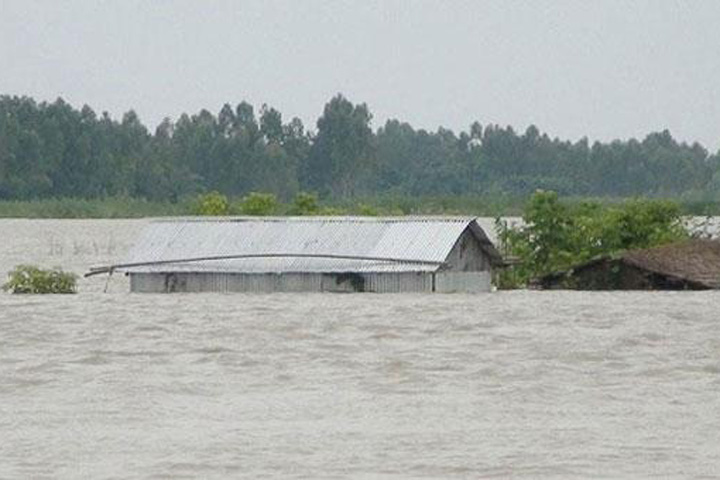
column 31, row 279
column 256, row 203
column 557, row 236
column 305, row 203
column 213, row 203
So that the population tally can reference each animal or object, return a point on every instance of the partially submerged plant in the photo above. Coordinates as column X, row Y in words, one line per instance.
column 256, row 203
column 556, row 235
column 31, row 279
column 213, row 203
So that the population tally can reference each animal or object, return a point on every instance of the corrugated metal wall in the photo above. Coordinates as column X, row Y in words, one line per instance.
column 399, row 282
column 467, row 255
column 305, row 282
column 463, row 282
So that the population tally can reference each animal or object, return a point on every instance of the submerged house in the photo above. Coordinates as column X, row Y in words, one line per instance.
column 691, row 265
column 311, row 254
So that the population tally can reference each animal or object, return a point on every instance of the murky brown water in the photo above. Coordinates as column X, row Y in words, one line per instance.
column 520, row 384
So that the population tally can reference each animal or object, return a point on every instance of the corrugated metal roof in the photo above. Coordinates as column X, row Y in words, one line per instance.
column 409, row 238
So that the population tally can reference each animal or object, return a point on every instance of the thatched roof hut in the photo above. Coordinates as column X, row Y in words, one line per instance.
column 691, row 265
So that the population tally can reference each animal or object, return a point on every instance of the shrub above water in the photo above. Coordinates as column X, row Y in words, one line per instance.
column 557, row 236
column 256, row 203
column 31, row 279
column 305, row 203
column 213, row 204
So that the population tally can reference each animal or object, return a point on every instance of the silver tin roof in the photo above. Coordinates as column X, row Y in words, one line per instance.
column 414, row 239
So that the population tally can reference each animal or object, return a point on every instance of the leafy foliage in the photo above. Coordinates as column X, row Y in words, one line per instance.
column 341, row 153
column 213, row 204
column 305, row 203
column 256, row 203
column 557, row 236
column 52, row 150
column 31, row 279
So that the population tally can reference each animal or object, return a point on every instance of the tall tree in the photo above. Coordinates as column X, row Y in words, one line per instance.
column 341, row 155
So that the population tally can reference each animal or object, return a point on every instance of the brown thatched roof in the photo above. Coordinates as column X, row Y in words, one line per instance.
column 695, row 260
column 694, row 263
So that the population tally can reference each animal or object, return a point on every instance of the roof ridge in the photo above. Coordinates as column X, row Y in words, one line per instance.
column 320, row 219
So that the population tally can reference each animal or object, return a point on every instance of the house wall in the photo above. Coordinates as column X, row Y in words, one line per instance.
column 463, row 282
column 467, row 255
column 311, row 282
column 288, row 282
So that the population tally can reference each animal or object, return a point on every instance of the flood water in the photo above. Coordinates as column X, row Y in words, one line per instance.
column 508, row 384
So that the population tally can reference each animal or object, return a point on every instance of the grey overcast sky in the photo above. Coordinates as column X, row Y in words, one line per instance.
column 604, row 69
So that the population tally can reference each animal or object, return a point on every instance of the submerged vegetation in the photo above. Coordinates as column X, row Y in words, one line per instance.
column 557, row 235
column 306, row 203
column 303, row 203
column 213, row 203
column 110, row 207
column 31, row 279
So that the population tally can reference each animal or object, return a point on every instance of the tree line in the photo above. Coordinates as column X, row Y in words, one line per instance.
column 53, row 150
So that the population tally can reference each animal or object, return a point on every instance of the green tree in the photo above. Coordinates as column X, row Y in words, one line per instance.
column 341, row 154
column 557, row 236
column 271, row 125
column 50, row 149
